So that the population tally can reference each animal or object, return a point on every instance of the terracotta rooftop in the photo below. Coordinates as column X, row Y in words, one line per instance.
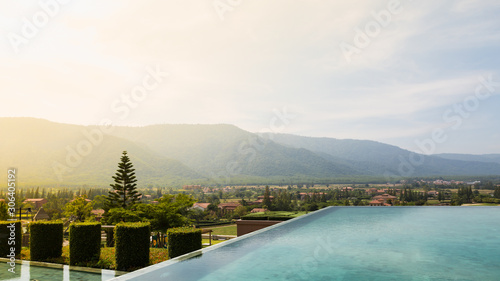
column 34, row 200
column 229, row 204
column 203, row 205
column 98, row 212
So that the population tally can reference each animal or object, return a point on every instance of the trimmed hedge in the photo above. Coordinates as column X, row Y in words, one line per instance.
column 132, row 245
column 46, row 239
column 5, row 234
column 182, row 240
column 266, row 218
column 205, row 224
column 84, row 242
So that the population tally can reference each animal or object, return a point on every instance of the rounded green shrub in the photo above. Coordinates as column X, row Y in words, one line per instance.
column 132, row 245
column 46, row 238
column 183, row 240
column 84, row 242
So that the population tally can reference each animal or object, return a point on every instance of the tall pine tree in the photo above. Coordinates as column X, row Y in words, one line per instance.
column 267, row 199
column 124, row 191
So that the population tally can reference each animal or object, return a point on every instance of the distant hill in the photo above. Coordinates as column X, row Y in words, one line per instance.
column 225, row 150
column 488, row 158
column 379, row 158
column 48, row 153
column 39, row 149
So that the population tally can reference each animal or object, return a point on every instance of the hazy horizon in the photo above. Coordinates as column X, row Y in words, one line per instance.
column 228, row 124
column 398, row 72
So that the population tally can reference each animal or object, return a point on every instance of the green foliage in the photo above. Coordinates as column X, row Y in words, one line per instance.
column 124, row 192
column 267, row 198
column 183, row 240
column 132, row 245
column 5, row 235
column 99, row 201
column 408, row 195
column 85, row 242
column 171, row 211
column 463, row 195
column 313, row 206
column 46, row 238
column 440, row 196
column 117, row 215
column 240, row 211
column 282, row 201
column 274, row 216
column 79, row 208
column 496, row 194
column 4, row 211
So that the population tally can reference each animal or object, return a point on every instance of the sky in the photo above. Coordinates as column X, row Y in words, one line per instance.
column 421, row 75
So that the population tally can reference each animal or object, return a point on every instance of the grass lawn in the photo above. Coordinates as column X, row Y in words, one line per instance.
column 205, row 241
column 107, row 259
column 224, row 230
column 481, row 204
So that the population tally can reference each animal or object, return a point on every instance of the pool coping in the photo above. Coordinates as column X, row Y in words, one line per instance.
column 61, row 266
column 151, row 268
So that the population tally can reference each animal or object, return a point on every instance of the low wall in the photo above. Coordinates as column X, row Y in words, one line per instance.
column 246, row 226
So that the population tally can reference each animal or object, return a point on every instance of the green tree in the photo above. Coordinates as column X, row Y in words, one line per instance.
column 440, row 196
column 99, row 201
column 80, row 208
column 312, row 207
column 4, row 211
column 124, row 193
column 116, row 215
column 496, row 194
column 171, row 211
column 240, row 211
column 267, row 199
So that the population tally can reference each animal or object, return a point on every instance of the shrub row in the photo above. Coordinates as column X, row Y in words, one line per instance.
column 6, row 242
column 205, row 224
column 85, row 242
column 183, row 240
column 266, row 218
column 132, row 245
column 46, row 238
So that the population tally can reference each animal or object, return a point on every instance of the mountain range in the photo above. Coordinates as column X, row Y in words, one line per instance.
column 48, row 153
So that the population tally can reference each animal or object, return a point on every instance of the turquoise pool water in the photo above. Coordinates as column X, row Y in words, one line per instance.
column 27, row 272
column 354, row 243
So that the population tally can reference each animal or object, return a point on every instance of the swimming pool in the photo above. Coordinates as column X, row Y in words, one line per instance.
column 353, row 243
column 55, row 272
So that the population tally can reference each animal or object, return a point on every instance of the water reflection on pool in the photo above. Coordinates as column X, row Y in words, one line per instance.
column 25, row 271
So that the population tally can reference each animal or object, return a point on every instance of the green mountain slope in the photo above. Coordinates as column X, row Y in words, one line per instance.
column 383, row 159
column 227, row 150
column 60, row 154
column 48, row 153
column 489, row 158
